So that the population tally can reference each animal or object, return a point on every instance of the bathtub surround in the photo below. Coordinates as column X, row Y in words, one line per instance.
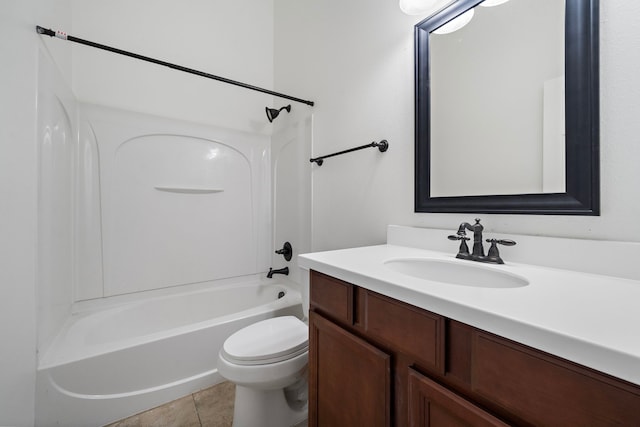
column 179, row 202
column 57, row 146
column 161, row 207
column 291, row 143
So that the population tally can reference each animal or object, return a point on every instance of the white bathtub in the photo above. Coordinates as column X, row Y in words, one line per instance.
column 109, row 363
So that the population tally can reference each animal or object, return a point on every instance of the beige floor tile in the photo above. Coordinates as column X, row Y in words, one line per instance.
column 212, row 407
column 215, row 405
column 179, row 413
column 133, row 421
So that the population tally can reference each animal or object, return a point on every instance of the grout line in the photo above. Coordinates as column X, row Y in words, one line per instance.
column 193, row 398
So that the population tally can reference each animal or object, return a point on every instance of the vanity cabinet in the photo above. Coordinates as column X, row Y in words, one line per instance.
column 376, row 361
column 432, row 404
column 346, row 375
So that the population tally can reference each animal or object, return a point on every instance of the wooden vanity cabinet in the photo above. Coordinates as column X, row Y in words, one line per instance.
column 435, row 405
column 544, row 390
column 361, row 345
column 375, row 361
column 349, row 379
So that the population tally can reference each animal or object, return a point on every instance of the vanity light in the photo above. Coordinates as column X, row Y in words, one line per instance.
column 456, row 23
column 491, row 3
column 421, row 7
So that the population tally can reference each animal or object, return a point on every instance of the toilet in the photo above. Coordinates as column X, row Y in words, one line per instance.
column 268, row 363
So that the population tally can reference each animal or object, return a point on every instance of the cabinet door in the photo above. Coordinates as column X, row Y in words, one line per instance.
column 349, row 379
column 432, row 405
column 545, row 390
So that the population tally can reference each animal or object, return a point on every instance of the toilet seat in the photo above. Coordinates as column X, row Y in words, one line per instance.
column 268, row 341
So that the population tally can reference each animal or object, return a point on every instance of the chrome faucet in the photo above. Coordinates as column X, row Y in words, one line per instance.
column 477, row 253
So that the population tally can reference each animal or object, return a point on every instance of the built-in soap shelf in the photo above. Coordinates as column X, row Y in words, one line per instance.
column 187, row 189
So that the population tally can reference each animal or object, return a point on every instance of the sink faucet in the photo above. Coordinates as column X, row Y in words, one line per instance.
column 477, row 253
column 284, row 271
column 478, row 249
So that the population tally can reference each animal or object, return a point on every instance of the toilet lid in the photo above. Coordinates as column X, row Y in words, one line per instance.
column 267, row 341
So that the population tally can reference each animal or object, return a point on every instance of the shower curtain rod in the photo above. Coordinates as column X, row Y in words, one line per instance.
column 65, row 36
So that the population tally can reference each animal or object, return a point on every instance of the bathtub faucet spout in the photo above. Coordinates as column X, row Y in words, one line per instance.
column 284, row 271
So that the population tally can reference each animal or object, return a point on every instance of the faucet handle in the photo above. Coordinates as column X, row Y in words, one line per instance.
column 286, row 251
column 458, row 237
column 494, row 255
column 505, row 242
column 463, row 251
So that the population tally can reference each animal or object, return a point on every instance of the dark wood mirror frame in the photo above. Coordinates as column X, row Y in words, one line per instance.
column 582, row 196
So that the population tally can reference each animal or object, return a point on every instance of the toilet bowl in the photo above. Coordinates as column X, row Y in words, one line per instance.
column 268, row 363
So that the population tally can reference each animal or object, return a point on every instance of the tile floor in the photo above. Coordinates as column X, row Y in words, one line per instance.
column 211, row 407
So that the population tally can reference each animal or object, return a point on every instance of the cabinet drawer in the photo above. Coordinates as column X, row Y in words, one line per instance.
column 331, row 297
column 432, row 405
column 548, row 391
column 410, row 330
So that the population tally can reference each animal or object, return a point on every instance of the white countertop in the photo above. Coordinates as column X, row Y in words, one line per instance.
column 590, row 319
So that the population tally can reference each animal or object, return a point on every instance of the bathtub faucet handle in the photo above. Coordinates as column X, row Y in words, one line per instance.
column 286, row 251
column 284, row 271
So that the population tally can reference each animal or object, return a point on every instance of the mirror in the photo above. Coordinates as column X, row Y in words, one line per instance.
column 507, row 109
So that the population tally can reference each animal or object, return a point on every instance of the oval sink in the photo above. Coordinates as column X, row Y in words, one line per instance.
column 464, row 273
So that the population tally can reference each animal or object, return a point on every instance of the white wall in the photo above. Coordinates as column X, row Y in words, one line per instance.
column 18, row 188
column 355, row 59
column 231, row 39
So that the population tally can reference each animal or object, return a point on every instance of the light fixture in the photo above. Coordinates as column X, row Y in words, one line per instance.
column 421, row 7
column 272, row 113
column 491, row 3
column 456, row 23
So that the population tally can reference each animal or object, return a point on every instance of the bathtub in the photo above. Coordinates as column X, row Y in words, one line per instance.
column 113, row 360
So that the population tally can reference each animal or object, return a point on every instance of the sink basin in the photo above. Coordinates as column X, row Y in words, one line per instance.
column 456, row 272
